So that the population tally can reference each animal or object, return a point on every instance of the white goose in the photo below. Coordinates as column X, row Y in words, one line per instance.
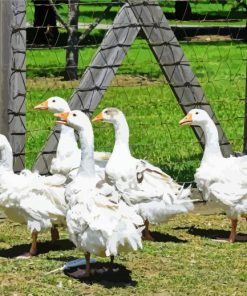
column 68, row 154
column 29, row 198
column 98, row 223
column 153, row 193
column 220, row 179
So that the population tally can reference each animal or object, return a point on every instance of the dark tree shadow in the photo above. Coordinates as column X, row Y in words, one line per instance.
column 43, row 248
column 210, row 233
column 101, row 273
column 164, row 237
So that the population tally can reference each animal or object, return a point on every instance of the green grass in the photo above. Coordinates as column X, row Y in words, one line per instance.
column 146, row 99
column 187, row 261
column 183, row 261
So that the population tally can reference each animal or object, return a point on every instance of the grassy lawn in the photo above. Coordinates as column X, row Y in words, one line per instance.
column 151, row 109
column 184, row 260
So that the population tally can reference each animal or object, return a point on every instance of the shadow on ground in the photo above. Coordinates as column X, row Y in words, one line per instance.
column 43, row 247
column 165, row 238
column 103, row 274
column 212, row 233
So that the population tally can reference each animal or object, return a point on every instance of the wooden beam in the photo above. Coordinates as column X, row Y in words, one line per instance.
column 12, row 67
column 97, row 77
column 173, row 63
column 5, row 64
column 17, row 115
column 148, row 16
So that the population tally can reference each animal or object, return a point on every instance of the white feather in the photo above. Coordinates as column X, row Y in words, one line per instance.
column 29, row 198
column 153, row 193
column 97, row 221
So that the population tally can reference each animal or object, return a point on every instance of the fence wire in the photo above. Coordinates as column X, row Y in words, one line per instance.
column 211, row 33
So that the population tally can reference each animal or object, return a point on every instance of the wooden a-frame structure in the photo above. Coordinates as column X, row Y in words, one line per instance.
column 134, row 16
column 13, row 77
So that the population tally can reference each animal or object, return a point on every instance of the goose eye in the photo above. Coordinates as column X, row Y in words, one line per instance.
column 74, row 114
column 53, row 101
column 197, row 113
column 107, row 112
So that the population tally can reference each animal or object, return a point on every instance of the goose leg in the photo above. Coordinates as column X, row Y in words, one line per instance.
column 112, row 259
column 87, row 257
column 146, row 234
column 242, row 238
column 111, row 263
column 233, row 233
column 54, row 234
column 33, row 249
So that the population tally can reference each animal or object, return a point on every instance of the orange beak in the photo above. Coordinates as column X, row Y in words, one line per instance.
column 186, row 120
column 42, row 106
column 99, row 117
column 63, row 117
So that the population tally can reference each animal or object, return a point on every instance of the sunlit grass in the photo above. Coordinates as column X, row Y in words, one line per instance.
column 184, row 260
column 146, row 99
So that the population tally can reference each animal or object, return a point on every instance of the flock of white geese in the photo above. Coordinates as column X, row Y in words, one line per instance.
column 107, row 200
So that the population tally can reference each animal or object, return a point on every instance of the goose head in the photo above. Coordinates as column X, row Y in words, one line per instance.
column 197, row 117
column 54, row 105
column 111, row 115
column 75, row 119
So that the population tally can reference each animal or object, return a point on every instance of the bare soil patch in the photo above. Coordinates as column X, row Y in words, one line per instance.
column 209, row 38
column 119, row 80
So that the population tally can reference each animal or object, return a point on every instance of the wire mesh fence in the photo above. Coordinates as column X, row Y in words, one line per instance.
column 63, row 37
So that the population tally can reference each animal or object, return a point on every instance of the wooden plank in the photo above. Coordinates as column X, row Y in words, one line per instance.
column 5, row 63
column 97, row 76
column 174, row 64
column 16, row 108
column 12, row 76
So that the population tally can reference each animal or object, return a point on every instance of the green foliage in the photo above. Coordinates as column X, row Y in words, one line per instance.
column 204, row 12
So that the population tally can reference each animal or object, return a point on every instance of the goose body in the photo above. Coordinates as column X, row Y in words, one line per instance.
column 220, row 179
column 29, row 198
column 101, row 225
column 68, row 155
column 98, row 223
column 151, row 192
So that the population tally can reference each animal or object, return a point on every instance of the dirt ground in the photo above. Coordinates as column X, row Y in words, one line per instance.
column 119, row 80
column 208, row 38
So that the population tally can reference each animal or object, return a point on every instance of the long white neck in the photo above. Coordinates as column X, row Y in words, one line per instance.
column 212, row 147
column 6, row 158
column 121, row 137
column 86, row 138
column 66, row 129
column 67, row 132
